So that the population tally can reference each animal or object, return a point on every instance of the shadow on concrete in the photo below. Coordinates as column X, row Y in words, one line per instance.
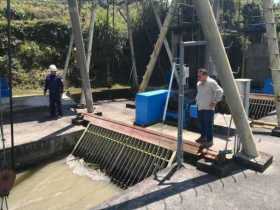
column 57, row 133
column 39, row 114
column 101, row 102
column 109, row 94
column 171, row 189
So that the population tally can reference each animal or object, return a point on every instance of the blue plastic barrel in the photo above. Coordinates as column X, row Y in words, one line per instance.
column 193, row 111
column 268, row 87
column 4, row 88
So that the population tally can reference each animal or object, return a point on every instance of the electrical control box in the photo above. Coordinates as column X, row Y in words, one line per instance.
column 150, row 107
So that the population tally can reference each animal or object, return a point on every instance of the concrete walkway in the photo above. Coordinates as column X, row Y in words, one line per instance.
column 32, row 121
column 193, row 189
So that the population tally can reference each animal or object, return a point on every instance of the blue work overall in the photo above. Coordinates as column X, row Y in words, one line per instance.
column 55, row 86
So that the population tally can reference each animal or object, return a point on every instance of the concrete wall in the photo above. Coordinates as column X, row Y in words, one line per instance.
column 34, row 153
column 32, row 102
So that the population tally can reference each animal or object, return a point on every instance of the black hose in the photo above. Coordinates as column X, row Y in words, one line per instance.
column 10, row 81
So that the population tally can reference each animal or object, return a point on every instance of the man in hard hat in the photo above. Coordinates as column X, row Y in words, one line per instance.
column 54, row 85
column 209, row 93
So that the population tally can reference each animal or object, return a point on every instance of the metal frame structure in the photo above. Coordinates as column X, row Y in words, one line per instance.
column 216, row 48
column 181, row 86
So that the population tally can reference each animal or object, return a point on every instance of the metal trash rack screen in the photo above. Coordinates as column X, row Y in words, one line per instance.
column 125, row 159
column 261, row 105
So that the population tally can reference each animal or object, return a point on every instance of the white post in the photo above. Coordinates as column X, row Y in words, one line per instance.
column 67, row 61
column 81, row 57
column 89, row 47
column 273, row 50
column 244, row 87
column 218, row 52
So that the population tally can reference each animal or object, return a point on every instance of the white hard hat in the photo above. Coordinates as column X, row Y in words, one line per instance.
column 52, row 67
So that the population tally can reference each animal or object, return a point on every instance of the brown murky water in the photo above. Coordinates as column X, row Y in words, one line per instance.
column 58, row 186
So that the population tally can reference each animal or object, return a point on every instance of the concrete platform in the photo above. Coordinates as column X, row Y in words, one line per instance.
column 32, row 122
column 117, row 110
column 190, row 188
column 32, row 102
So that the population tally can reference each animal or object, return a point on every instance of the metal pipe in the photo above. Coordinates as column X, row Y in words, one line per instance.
column 174, row 69
column 81, row 57
column 273, row 50
column 10, row 82
column 194, row 43
column 217, row 49
column 179, row 151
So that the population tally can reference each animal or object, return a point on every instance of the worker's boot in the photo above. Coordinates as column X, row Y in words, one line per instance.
column 200, row 140
column 208, row 144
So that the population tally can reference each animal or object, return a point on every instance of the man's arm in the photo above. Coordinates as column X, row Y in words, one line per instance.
column 61, row 85
column 46, row 86
column 218, row 92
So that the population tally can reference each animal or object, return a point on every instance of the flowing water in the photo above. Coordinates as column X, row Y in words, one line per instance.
column 61, row 185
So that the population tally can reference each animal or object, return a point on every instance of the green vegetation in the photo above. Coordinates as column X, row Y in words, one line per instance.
column 41, row 33
column 40, row 37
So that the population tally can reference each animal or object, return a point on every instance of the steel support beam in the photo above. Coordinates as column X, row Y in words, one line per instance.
column 68, row 56
column 67, row 61
column 157, row 48
column 166, row 44
column 81, row 57
column 89, row 47
column 165, row 41
column 218, row 52
column 131, row 44
column 273, row 50
column 181, row 85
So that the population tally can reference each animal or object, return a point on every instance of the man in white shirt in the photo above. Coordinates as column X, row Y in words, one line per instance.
column 209, row 93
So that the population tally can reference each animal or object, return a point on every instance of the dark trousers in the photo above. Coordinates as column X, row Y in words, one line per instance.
column 55, row 105
column 206, row 120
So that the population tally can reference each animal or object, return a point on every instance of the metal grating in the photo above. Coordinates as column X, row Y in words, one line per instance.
column 260, row 106
column 125, row 159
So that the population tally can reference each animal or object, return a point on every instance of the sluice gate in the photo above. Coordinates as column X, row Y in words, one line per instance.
column 129, row 154
column 125, row 159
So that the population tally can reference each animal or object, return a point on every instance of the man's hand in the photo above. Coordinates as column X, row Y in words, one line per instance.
column 212, row 104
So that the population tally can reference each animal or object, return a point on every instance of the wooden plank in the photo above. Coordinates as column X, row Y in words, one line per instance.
column 258, row 96
column 153, row 137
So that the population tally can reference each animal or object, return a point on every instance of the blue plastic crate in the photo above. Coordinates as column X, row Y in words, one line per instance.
column 150, row 107
column 193, row 111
